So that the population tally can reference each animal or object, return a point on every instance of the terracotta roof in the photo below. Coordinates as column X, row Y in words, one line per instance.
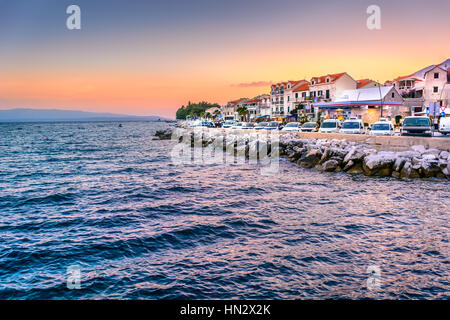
column 363, row 82
column 407, row 77
column 236, row 102
column 322, row 79
column 303, row 87
column 253, row 100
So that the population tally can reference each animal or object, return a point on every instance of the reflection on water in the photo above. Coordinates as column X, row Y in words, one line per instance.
column 109, row 200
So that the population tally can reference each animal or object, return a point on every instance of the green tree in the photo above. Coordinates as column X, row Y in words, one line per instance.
column 242, row 111
column 194, row 109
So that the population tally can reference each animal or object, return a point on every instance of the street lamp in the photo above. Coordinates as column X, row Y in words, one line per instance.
column 381, row 100
column 442, row 91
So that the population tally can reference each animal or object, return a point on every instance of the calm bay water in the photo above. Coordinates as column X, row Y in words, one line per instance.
column 109, row 200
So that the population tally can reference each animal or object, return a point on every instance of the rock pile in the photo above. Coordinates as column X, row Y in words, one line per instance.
column 163, row 134
column 341, row 155
column 329, row 155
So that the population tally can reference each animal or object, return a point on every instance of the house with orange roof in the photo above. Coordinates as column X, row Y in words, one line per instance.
column 282, row 98
column 212, row 111
column 301, row 97
column 327, row 88
column 258, row 106
column 407, row 84
column 366, row 83
column 229, row 112
column 430, row 84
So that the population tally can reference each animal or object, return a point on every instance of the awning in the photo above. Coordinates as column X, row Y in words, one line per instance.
column 349, row 104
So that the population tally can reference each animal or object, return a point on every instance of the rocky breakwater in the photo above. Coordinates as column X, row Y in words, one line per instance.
column 341, row 155
column 327, row 155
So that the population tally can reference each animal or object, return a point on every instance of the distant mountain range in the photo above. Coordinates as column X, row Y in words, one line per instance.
column 49, row 115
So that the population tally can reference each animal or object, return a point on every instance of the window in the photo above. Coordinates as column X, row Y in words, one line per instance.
column 289, row 98
column 319, row 93
column 296, row 95
column 312, row 82
column 327, row 94
column 393, row 94
column 304, row 94
column 289, row 109
column 435, row 89
column 436, row 75
column 328, row 79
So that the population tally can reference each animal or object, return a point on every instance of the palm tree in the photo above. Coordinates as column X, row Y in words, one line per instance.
column 216, row 113
column 242, row 111
column 208, row 115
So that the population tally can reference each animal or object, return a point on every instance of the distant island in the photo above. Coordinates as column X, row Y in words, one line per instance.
column 53, row 115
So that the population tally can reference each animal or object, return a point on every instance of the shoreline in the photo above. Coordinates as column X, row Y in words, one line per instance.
column 399, row 157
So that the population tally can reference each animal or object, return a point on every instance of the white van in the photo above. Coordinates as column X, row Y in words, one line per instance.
column 382, row 128
column 353, row 126
column 330, row 126
column 444, row 125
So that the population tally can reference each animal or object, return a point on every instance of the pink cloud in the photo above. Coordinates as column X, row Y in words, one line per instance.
column 255, row 84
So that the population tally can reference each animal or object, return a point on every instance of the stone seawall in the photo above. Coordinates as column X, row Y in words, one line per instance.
column 380, row 143
column 332, row 152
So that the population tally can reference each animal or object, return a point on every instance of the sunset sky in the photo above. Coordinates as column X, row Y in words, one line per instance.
column 150, row 57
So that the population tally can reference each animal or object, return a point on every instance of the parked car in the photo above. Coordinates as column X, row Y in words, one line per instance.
column 382, row 128
column 330, row 126
column 292, row 127
column 309, row 127
column 237, row 125
column 228, row 124
column 354, row 126
column 273, row 125
column 416, row 126
column 204, row 124
column 248, row 126
column 444, row 125
column 261, row 126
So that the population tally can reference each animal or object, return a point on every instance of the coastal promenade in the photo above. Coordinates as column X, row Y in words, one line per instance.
column 380, row 143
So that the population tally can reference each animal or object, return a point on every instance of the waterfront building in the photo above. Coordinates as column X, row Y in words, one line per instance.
column 229, row 110
column 258, row 107
column 327, row 88
column 212, row 111
column 427, row 85
column 302, row 99
column 367, row 104
column 282, row 98
column 436, row 86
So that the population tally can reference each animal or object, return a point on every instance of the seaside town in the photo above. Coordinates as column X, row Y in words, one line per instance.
column 323, row 103
column 337, row 124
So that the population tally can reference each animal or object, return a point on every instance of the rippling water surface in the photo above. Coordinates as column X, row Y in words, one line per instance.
column 109, row 200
